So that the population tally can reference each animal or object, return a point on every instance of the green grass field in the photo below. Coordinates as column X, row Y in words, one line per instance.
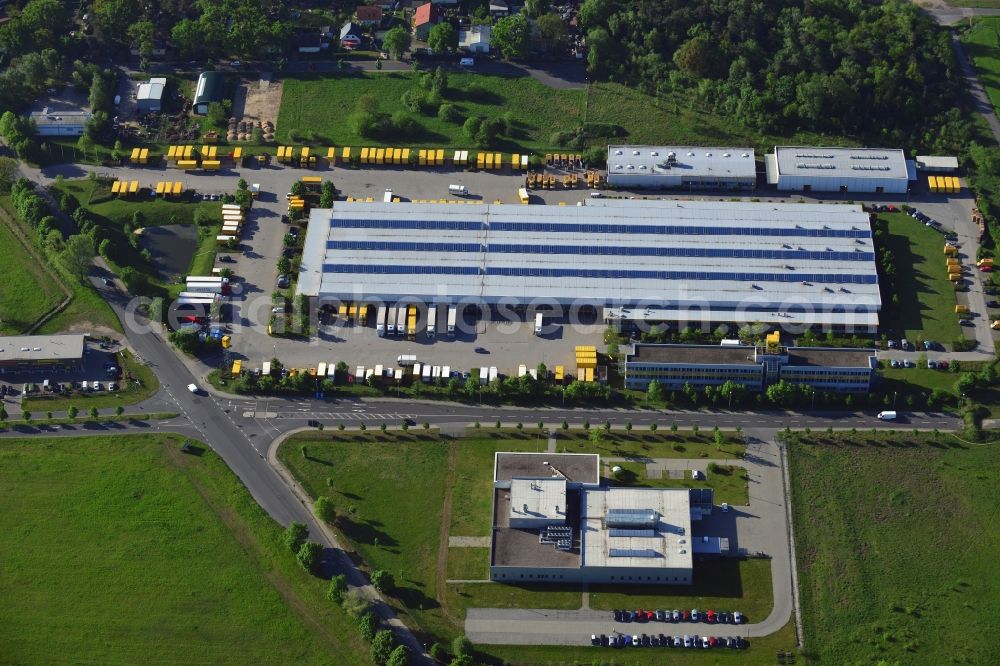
column 129, row 393
column 317, row 108
column 86, row 311
column 896, row 541
column 122, row 550
column 391, row 487
column 644, row 444
column 729, row 482
column 926, row 308
column 28, row 290
column 96, row 197
column 982, row 45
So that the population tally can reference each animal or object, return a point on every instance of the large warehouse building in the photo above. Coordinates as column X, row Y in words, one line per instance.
column 865, row 170
column 37, row 353
column 682, row 167
column 796, row 265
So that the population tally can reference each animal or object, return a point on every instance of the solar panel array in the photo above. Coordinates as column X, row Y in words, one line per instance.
column 631, row 518
column 632, row 552
column 624, row 532
column 702, row 496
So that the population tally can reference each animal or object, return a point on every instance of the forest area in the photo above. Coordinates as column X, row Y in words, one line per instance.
column 878, row 73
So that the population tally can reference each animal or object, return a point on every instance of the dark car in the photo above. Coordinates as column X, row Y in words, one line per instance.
column 618, row 615
column 595, row 639
column 284, row 219
column 645, row 640
column 665, row 641
column 604, row 640
column 965, row 322
column 731, row 642
column 742, row 643
column 654, row 640
column 482, row 350
column 660, row 615
column 992, row 304
column 226, row 259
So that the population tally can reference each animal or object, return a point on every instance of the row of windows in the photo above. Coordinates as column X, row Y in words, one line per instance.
column 586, row 228
column 610, row 250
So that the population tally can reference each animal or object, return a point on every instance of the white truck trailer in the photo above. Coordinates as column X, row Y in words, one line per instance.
column 431, row 320
column 380, row 321
column 538, row 323
column 401, row 320
column 406, row 359
column 452, row 319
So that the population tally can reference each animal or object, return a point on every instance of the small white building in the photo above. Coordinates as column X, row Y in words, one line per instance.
column 937, row 163
column 475, row 40
column 59, row 123
column 682, row 167
column 149, row 98
column 866, row 170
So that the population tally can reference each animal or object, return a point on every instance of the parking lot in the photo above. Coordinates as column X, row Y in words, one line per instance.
column 101, row 371
column 508, row 345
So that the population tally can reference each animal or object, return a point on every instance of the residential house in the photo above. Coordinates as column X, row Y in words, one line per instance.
column 426, row 16
column 368, row 15
column 499, row 8
column 475, row 40
column 350, row 35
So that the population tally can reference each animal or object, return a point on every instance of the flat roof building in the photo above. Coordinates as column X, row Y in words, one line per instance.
column 807, row 264
column 60, row 123
column 831, row 369
column 811, row 169
column 553, row 529
column 682, row 167
column 33, row 353
column 149, row 98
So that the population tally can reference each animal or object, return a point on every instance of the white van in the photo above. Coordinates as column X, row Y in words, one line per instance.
column 460, row 190
column 887, row 416
column 467, row 62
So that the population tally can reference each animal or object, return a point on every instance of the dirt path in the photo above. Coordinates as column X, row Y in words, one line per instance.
column 441, row 570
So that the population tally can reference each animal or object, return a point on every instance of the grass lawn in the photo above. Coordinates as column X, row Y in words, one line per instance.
column 468, row 563
column 29, row 290
column 463, row 596
column 896, row 540
column 982, row 45
column 645, row 444
column 121, row 550
column 86, row 311
column 317, row 109
column 925, row 378
column 389, row 491
column 725, row 584
column 128, row 393
column 729, row 482
column 96, row 197
column 926, row 309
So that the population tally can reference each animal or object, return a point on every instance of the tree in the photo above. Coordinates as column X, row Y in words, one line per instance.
column 295, row 536
column 553, row 28
column 327, row 194
column 8, row 173
column 461, row 646
column 510, row 35
column 217, row 114
column 188, row 37
column 442, row 38
column 119, row 410
column 309, row 556
column 594, row 13
column 654, row 392
column 535, row 8
column 92, row 412
column 113, row 18
column 396, row 41
column 73, row 411
column 382, row 646
column 326, row 510
column 652, row 427
column 338, row 586
column 463, row 660
column 400, row 657
column 383, row 580
column 26, row 415
column 77, row 255
column 356, row 604
column 3, row 413
column 142, row 34
column 367, row 625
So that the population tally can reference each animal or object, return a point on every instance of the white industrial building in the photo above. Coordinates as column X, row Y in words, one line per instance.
column 795, row 265
column 59, row 123
column 862, row 170
column 554, row 522
column 681, row 167
column 149, row 98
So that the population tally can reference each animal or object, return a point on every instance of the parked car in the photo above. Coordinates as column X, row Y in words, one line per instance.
column 193, row 388
column 687, row 641
column 675, row 615
column 695, row 615
column 226, row 259
column 907, row 363
column 594, row 640
column 283, row 281
column 965, row 322
column 737, row 617
column 660, row 615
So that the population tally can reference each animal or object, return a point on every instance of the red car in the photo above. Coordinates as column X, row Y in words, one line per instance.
column 712, row 641
column 710, row 615
column 640, row 615
column 650, row 616
column 686, row 616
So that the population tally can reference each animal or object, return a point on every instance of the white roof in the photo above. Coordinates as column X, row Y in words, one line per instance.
column 545, row 499
column 683, row 161
column 59, row 118
column 40, row 347
column 841, row 162
column 670, row 543
column 152, row 90
column 653, row 253
column 944, row 162
column 477, row 34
